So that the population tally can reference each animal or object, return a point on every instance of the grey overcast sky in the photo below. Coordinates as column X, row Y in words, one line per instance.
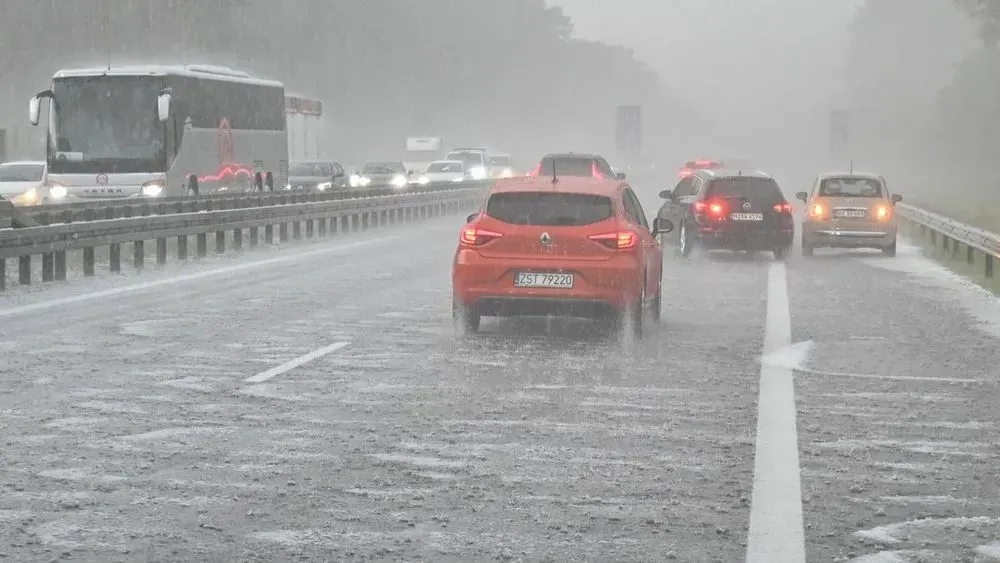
column 778, row 49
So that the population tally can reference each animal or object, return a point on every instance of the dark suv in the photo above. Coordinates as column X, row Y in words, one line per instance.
column 730, row 210
column 576, row 164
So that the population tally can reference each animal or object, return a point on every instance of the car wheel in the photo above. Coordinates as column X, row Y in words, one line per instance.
column 807, row 249
column 889, row 250
column 684, row 242
column 780, row 253
column 465, row 318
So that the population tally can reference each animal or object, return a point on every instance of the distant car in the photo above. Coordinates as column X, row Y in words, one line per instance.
column 730, row 210
column 580, row 165
column 849, row 210
column 693, row 166
column 316, row 177
column 22, row 182
column 381, row 175
column 444, row 171
column 579, row 247
column 476, row 161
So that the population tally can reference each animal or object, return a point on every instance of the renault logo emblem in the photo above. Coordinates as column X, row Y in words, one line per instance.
column 747, row 205
column 546, row 239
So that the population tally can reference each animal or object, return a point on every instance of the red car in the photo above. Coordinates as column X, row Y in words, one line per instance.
column 572, row 246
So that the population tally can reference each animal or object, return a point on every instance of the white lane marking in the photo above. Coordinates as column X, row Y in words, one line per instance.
column 776, row 531
column 341, row 248
column 290, row 365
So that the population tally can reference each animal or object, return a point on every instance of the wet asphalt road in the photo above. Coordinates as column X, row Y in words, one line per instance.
column 133, row 433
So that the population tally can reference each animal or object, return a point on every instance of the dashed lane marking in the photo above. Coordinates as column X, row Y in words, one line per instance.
column 292, row 364
column 776, row 531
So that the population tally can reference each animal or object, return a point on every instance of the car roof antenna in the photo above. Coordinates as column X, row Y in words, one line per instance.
column 555, row 179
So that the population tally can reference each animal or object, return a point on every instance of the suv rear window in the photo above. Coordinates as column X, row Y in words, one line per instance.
column 750, row 187
column 549, row 209
column 567, row 167
column 850, row 187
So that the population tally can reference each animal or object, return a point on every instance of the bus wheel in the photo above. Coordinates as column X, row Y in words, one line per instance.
column 269, row 181
column 258, row 182
column 192, row 186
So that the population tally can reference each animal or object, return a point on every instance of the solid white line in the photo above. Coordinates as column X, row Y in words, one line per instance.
column 776, row 531
column 294, row 257
column 290, row 365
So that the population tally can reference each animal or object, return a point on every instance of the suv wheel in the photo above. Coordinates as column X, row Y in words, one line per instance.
column 684, row 242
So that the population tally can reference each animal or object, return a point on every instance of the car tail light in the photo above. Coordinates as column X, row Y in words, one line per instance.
column 883, row 213
column 817, row 210
column 714, row 209
column 474, row 236
column 621, row 240
column 784, row 208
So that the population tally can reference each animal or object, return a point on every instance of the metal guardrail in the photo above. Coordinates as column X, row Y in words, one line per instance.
column 962, row 246
column 53, row 242
column 89, row 210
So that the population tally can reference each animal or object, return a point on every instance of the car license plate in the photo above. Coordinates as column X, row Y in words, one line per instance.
column 747, row 216
column 543, row 279
column 850, row 213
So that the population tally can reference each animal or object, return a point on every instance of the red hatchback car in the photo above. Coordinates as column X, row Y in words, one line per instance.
column 573, row 247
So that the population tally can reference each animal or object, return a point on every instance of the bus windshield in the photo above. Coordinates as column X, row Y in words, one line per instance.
column 105, row 124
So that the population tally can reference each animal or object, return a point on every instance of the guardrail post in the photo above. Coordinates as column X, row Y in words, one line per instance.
column 297, row 230
column 238, row 239
column 254, row 234
column 139, row 254
column 115, row 258
column 3, row 274
column 60, row 265
column 24, row 270
column 310, row 228
column 220, row 242
column 334, row 224
column 970, row 255
column 161, row 251
column 321, row 225
column 48, row 267
column 182, row 247
column 269, row 234
column 355, row 223
column 988, row 266
column 364, row 221
column 202, row 243
column 88, row 262
column 283, row 232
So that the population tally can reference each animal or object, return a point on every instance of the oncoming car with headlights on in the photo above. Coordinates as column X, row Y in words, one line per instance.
column 23, row 182
column 849, row 210
column 315, row 177
column 571, row 247
column 443, row 171
column 381, row 175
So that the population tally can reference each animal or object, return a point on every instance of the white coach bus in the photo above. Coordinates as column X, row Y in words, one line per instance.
column 161, row 131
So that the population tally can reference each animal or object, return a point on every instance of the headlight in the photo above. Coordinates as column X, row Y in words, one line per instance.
column 152, row 189
column 29, row 197
column 399, row 180
column 478, row 173
column 288, row 187
column 354, row 180
column 58, row 191
column 364, row 181
column 324, row 186
column 423, row 180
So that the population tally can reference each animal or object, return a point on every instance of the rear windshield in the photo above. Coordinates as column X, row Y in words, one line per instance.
column 749, row 187
column 551, row 209
column 445, row 167
column 567, row 167
column 850, row 187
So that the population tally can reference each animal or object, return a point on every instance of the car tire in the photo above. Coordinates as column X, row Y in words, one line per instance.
column 656, row 307
column 466, row 319
column 890, row 250
column 807, row 249
column 780, row 253
column 684, row 243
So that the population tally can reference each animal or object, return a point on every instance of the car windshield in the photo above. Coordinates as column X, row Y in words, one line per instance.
column 446, row 167
column 850, row 187
column 21, row 172
column 316, row 169
column 468, row 158
column 748, row 186
column 550, row 209
column 384, row 168
column 563, row 166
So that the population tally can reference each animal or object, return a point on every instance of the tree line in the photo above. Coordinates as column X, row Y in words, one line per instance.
column 508, row 73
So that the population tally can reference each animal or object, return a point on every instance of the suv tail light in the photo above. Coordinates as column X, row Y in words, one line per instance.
column 714, row 209
column 784, row 208
column 817, row 211
column 474, row 236
column 621, row 240
column 883, row 213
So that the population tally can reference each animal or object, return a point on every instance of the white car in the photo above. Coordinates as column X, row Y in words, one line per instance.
column 441, row 171
column 21, row 181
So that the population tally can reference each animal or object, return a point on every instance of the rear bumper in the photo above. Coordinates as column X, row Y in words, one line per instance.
column 821, row 235
column 768, row 238
column 487, row 286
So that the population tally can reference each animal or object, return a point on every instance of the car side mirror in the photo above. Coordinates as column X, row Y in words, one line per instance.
column 896, row 198
column 662, row 225
column 34, row 110
column 802, row 196
column 620, row 175
column 667, row 194
column 472, row 217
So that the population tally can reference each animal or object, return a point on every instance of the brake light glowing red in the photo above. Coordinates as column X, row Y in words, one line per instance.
column 784, row 208
column 622, row 240
column 474, row 236
column 714, row 209
column 685, row 172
